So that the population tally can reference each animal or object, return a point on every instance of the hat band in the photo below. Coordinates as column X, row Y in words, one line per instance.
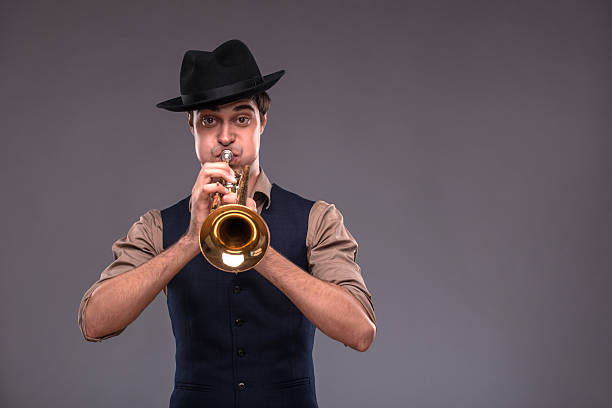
column 220, row 92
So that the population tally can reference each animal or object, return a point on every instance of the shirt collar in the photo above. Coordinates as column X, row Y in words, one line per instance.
column 262, row 190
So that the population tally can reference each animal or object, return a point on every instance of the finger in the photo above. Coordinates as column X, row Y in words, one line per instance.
column 203, row 185
column 230, row 198
column 214, row 164
column 211, row 188
column 218, row 173
column 208, row 175
column 202, row 197
column 218, row 165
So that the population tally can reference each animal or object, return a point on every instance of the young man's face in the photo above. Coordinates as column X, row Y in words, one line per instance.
column 235, row 126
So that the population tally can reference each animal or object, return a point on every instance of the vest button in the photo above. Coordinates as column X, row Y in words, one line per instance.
column 241, row 352
column 237, row 289
column 238, row 322
column 241, row 386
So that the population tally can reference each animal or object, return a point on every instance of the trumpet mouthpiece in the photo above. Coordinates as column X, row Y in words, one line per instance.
column 227, row 155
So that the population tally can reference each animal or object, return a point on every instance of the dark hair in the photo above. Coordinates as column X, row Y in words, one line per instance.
column 262, row 100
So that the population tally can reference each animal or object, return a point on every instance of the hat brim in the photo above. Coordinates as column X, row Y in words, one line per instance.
column 177, row 105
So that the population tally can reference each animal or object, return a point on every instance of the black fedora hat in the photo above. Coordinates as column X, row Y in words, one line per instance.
column 227, row 73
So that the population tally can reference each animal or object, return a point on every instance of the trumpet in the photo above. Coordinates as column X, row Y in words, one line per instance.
column 234, row 238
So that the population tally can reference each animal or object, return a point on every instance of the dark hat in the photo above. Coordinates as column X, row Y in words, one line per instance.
column 224, row 75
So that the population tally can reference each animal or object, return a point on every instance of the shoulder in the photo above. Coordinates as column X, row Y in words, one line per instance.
column 152, row 218
column 283, row 201
column 142, row 242
column 323, row 211
column 322, row 214
column 147, row 223
column 325, row 223
column 278, row 192
column 145, row 233
column 178, row 206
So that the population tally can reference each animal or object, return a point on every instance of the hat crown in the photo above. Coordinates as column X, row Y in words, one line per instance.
column 229, row 63
column 226, row 74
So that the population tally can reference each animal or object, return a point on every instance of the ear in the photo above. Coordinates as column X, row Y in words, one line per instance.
column 190, row 120
column 264, row 120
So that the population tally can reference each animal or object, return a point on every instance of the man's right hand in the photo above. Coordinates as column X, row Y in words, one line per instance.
column 116, row 302
column 203, row 190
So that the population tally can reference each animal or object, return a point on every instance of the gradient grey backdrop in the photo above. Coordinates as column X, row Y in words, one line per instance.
column 466, row 143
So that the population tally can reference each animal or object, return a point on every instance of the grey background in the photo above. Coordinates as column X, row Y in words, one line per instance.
column 466, row 143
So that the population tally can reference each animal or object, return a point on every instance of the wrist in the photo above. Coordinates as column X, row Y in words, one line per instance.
column 191, row 244
column 267, row 259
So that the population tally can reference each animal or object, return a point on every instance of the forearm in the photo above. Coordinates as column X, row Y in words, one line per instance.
column 331, row 308
column 119, row 301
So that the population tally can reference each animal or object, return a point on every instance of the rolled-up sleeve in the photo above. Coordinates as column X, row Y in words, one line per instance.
column 332, row 253
column 143, row 241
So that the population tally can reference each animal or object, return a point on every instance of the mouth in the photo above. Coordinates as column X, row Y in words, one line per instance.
column 233, row 161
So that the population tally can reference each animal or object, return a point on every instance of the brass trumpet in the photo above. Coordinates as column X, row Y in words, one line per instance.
column 233, row 237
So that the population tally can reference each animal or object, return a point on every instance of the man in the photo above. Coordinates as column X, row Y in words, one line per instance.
column 242, row 339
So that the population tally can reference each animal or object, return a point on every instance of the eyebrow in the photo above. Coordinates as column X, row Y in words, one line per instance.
column 236, row 108
column 240, row 107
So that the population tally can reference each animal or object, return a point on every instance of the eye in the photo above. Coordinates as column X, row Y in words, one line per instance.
column 243, row 120
column 208, row 120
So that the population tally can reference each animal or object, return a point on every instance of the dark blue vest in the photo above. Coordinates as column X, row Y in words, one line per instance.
column 240, row 342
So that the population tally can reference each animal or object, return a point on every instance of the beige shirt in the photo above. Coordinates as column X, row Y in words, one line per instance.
column 331, row 250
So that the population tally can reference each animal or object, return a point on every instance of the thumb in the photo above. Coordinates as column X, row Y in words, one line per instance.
column 251, row 204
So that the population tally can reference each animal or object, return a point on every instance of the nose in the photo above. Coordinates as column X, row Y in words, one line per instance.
column 225, row 136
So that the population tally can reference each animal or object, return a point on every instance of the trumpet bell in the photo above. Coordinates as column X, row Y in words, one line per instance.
column 234, row 238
